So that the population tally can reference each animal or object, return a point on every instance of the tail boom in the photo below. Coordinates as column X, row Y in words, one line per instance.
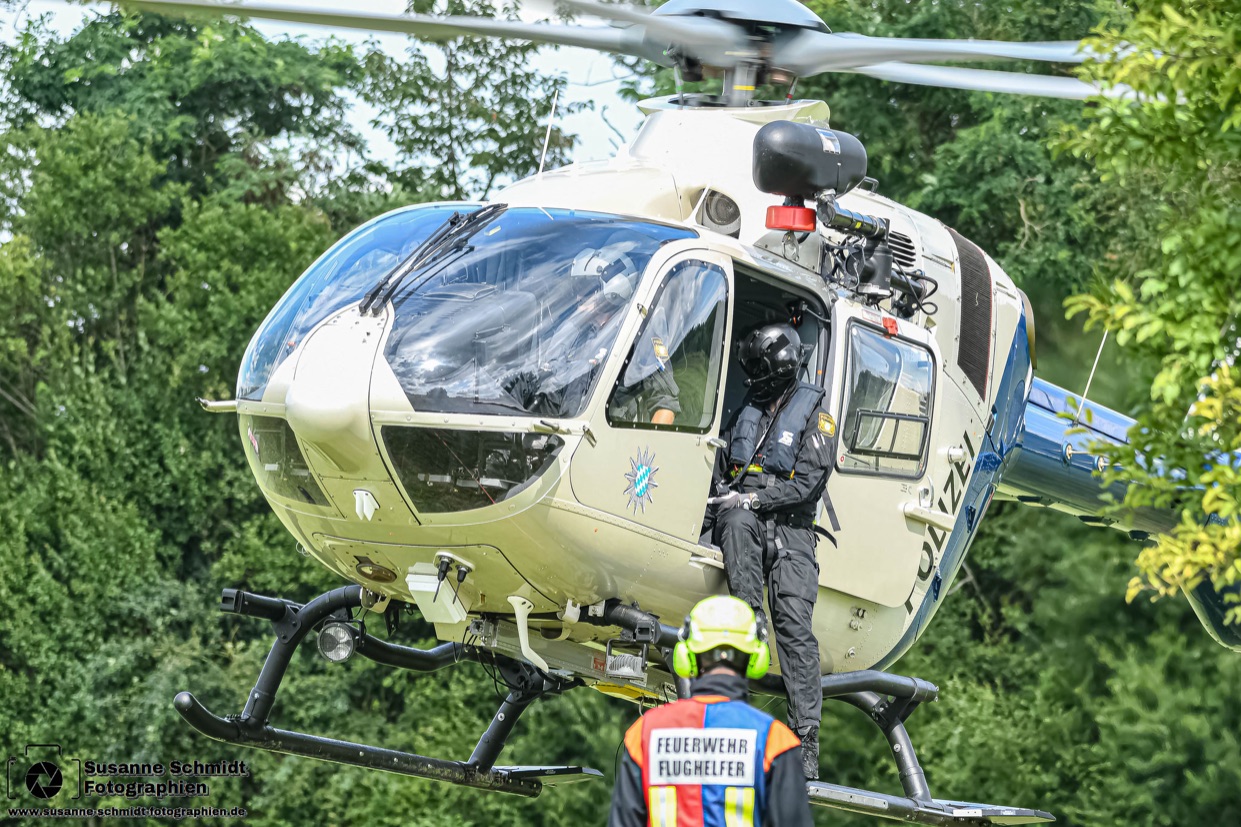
column 1057, row 469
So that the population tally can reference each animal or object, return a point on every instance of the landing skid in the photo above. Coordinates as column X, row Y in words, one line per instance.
column 888, row 700
column 933, row 811
column 292, row 623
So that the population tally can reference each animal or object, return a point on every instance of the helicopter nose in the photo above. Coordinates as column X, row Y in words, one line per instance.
column 327, row 403
column 319, row 413
column 320, row 407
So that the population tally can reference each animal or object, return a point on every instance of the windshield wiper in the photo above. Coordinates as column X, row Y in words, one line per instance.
column 412, row 260
column 450, row 235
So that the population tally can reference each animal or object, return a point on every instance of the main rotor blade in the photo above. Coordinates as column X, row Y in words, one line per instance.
column 985, row 80
column 809, row 53
column 711, row 41
column 621, row 14
column 606, row 39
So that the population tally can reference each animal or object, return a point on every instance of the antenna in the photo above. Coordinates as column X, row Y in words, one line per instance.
column 1086, row 392
column 548, row 138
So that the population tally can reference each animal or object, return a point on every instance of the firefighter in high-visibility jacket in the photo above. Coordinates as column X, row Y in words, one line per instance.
column 712, row 760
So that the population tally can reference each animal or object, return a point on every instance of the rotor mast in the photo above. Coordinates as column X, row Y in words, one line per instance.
column 741, row 82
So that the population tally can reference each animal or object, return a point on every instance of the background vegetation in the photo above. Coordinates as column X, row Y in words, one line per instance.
column 162, row 184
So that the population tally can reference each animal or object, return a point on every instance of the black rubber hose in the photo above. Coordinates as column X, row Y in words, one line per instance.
column 631, row 618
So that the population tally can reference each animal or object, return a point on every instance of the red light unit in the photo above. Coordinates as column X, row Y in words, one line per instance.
column 792, row 219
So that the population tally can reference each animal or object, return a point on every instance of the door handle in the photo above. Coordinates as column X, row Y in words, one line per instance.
column 940, row 519
column 716, row 442
column 545, row 426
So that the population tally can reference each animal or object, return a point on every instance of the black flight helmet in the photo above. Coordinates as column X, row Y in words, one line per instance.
column 770, row 356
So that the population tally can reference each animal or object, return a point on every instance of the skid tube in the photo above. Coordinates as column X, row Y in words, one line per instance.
column 889, row 700
column 292, row 622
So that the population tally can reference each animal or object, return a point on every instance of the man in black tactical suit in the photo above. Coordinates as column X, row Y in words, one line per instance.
column 769, row 480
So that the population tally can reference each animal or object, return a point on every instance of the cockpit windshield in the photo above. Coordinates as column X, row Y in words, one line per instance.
column 520, row 320
column 340, row 277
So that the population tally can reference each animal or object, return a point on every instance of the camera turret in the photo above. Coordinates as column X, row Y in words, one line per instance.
column 804, row 163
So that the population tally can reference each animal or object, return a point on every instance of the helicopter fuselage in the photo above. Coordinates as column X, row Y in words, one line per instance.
column 473, row 441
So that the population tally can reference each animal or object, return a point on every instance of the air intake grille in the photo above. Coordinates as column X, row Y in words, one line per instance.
column 903, row 252
column 974, row 353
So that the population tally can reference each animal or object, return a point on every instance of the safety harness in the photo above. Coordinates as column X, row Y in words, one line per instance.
column 758, row 459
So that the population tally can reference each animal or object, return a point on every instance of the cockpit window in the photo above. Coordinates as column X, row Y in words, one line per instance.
column 521, row 319
column 888, row 410
column 672, row 376
column 339, row 278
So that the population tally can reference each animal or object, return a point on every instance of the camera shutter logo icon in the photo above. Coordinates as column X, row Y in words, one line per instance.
column 44, row 780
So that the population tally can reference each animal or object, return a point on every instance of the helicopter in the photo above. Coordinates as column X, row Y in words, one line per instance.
column 452, row 408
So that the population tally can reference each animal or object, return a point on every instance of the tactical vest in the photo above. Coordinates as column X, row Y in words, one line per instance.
column 779, row 448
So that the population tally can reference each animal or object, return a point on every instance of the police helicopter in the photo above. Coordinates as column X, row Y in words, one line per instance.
column 504, row 416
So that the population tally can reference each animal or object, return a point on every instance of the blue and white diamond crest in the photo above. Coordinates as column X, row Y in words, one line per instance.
column 641, row 478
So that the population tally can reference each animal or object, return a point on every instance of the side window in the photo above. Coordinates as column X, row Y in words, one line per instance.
column 672, row 375
column 888, row 405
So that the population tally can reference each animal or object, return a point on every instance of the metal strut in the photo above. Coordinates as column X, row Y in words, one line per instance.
column 889, row 700
column 292, row 622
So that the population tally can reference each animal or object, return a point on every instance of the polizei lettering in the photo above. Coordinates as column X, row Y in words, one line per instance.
column 703, row 756
column 949, row 502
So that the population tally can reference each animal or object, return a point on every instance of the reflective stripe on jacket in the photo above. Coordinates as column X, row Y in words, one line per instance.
column 705, row 761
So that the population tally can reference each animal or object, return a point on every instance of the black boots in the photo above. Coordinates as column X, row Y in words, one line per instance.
column 810, row 752
column 760, row 620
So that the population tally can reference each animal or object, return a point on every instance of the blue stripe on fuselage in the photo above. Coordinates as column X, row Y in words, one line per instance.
column 994, row 453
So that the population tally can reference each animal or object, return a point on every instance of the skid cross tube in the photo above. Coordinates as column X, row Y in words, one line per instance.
column 912, row 690
column 888, row 700
column 291, row 627
column 488, row 749
column 291, row 623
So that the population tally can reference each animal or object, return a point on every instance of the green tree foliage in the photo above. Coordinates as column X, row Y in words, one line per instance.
column 1171, row 293
column 164, row 182
column 197, row 92
column 466, row 112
